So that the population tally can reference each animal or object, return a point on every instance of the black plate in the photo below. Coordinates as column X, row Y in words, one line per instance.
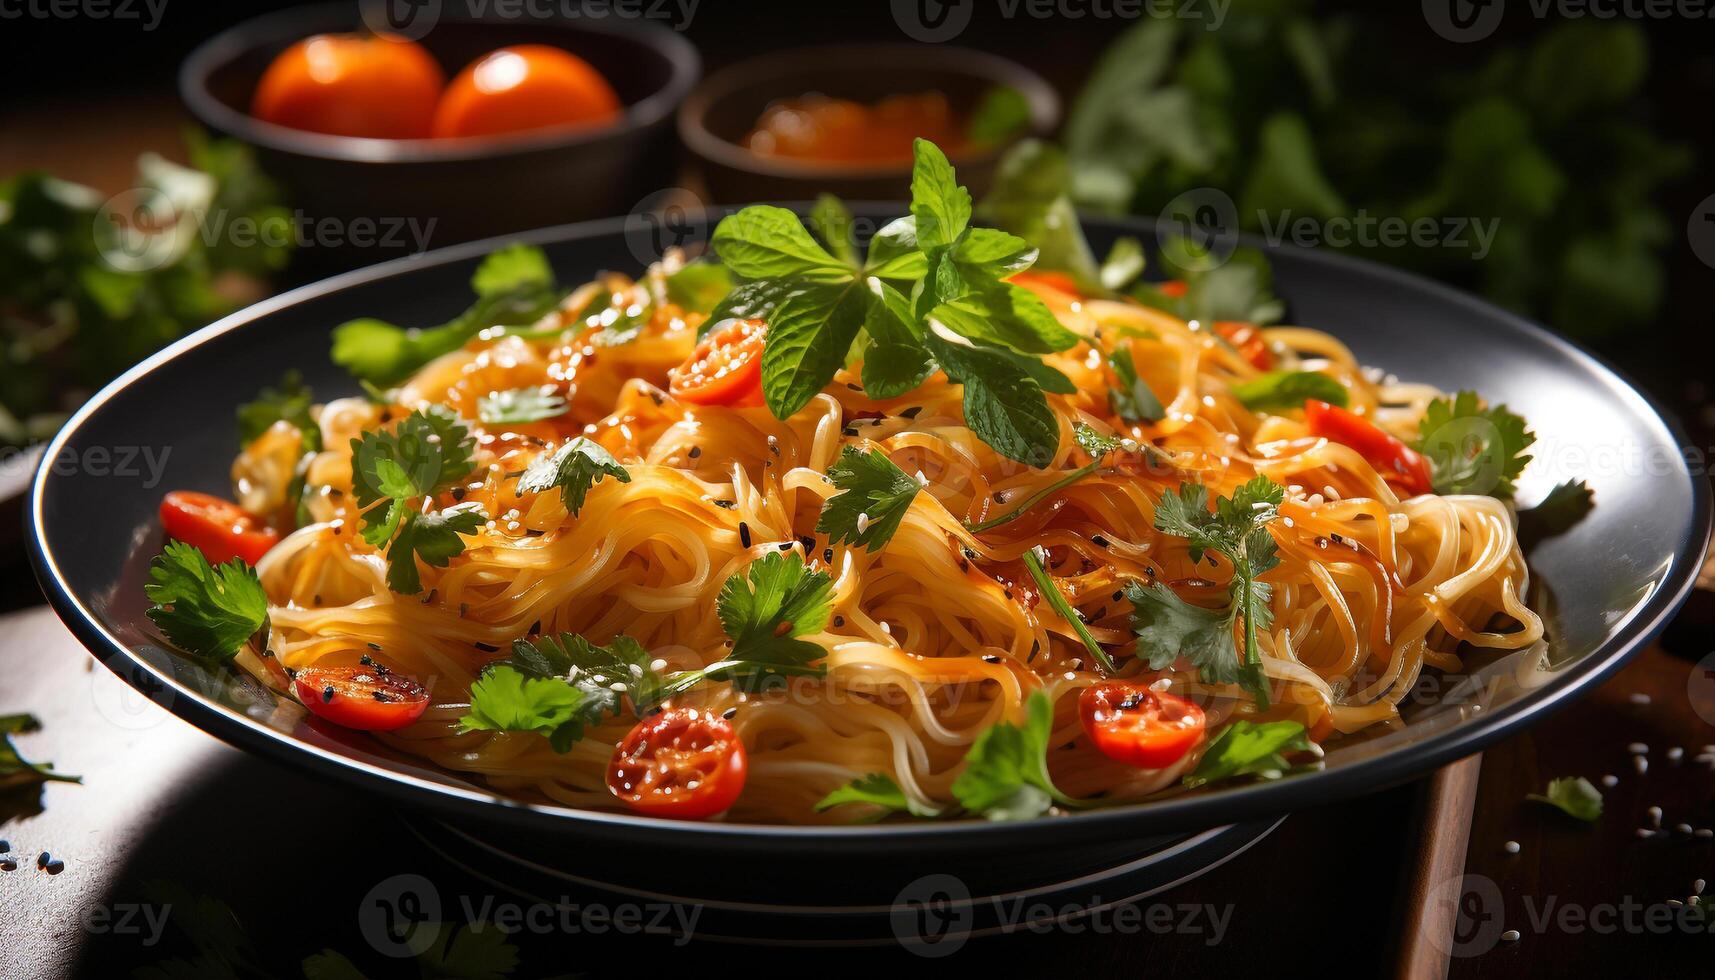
column 1608, row 585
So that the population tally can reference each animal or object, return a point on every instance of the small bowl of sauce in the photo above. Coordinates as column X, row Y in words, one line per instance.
column 788, row 126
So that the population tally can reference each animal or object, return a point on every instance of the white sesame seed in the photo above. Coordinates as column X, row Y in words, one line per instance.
column 1610, row 781
column 1287, row 521
column 658, row 664
column 1645, row 833
column 922, row 480
column 862, row 523
column 1641, row 764
column 1163, row 684
column 1676, row 903
column 617, row 686
column 1330, row 492
column 1683, row 828
column 1640, row 699
column 1698, row 885
column 1638, row 748
column 1675, row 754
column 1654, row 813
column 1511, row 935
column 886, row 628
column 1703, row 832
column 1512, row 847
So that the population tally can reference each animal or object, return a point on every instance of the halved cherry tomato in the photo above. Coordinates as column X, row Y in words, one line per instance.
column 1248, row 340
column 1132, row 724
column 218, row 528
column 1174, row 288
column 369, row 698
column 685, row 763
column 725, row 368
column 1397, row 462
column 525, row 87
column 1053, row 280
column 377, row 86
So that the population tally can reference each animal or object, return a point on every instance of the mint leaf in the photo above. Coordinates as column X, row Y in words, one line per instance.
column 1289, row 389
column 895, row 361
column 766, row 242
column 809, row 335
column 833, row 224
column 432, row 538
column 1031, row 198
column 1573, row 796
column 874, row 497
column 206, row 611
column 942, row 207
column 1132, row 399
column 1003, row 113
column 1125, row 262
column 1006, row 771
column 990, row 253
column 1246, row 748
column 1003, row 402
column 575, row 467
column 1007, row 316
column 519, row 406
column 894, row 252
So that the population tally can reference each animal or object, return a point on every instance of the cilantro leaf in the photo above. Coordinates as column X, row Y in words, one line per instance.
column 766, row 242
column 514, row 286
column 1006, row 770
column 1289, row 389
column 289, row 402
column 14, row 768
column 1132, row 399
column 1574, row 796
column 876, row 789
column 558, row 686
column 474, row 951
column 1246, row 748
column 575, row 467
column 764, row 612
column 433, row 538
column 942, row 207
column 206, row 611
column 1567, row 504
column 424, row 454
column 518, row 406
column 874, row 497
column 1169, row 627
column 833, row 224
column 1472, row 449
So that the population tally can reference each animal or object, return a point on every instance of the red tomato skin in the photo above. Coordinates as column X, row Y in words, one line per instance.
column 722, row 773
column 1132, row 724
column 725, row 368
column 1397, row 462
column 1248, row 340
column 375, row 87
column 522, row 88
column 217, row 528
column 1058, row 281
column 345, row 696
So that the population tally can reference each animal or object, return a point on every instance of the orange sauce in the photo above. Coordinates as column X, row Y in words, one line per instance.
column 816, row 127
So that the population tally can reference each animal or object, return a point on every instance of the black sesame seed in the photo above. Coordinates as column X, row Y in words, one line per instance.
column 327, row 694
column 839, row 621
column 696, row 451
column 458, row 493
column 1099, row 541
column 911, row 413
column 989, row 658
column 366, row 660
column 374, row 646
column 380, row 696
column 853, row 387
column 7, row 864
column 5, row 845
column 828, row 555
column 1119, row 594
column 727, row 504
column 535, row 627
column 43, row 859
column 729, row 713
column 317, row 599
column 788, row 545
column 464, row 607
column 744, row 534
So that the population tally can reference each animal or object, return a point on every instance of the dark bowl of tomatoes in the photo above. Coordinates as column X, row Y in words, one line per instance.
column 841, row 119
column 446, row 159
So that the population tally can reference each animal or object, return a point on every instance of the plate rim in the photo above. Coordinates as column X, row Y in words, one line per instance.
column 1196, row 812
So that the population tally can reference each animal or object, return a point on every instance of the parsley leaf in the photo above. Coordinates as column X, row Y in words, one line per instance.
column 557, row 686
column 1574, row 796
column 206, row 611
column 1289, row 389
column 15, row 770
column 874, row 497
column 432, row 537
column 575, row 467
column 1472, row 449
column 1132, row 399
column 424, row 454
column 1006, row 770
column 1246, row 748
column 514, row 287
column 518, row 406
column 289, row 402
column 876, row 789
column 1168, row 627
column 765, row 612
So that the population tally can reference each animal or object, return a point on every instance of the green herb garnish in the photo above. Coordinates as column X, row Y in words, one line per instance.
column 874, row 497
column 426, row 453
column 15, row 770
column 1472, row 449
column 1034, row 562
column 559, row 686
column 576, row 467
column 206, row 611
column 1289, row 389
column 1247, row 748
column 1574, row 796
